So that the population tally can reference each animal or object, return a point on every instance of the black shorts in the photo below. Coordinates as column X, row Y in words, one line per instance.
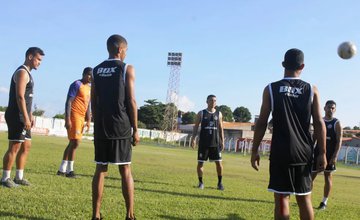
column 211, row 153
column 16, row 131
column 329, row 167
column 116, row 151
column 290, row 179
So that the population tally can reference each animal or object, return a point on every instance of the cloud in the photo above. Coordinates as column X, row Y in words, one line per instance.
column 4, row 90
column 185, row 104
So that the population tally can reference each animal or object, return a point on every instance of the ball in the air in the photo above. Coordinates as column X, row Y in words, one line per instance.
column 346, row 50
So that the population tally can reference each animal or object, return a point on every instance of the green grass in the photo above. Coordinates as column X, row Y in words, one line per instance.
column 165, row 187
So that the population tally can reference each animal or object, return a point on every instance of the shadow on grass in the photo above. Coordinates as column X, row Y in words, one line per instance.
column 229, row 217
column 203, row 196
column 152, row 182
column 19, row 216
column 351, row 177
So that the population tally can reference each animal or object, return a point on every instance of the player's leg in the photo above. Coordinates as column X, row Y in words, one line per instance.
column 16, row 136
column 215, row 155
column 127, row 184
column 21, row 159
column 8, row 161
column 203, row 155
column 219, row 170
column 73, row 145
column 305, row 207
column 74, row 135
column 64, row 162
column 282, row 210
column 98, row 188
column 200, row 173
column 327, row 187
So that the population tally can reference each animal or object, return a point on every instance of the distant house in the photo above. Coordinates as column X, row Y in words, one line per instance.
column 351, row 142
column 233, row 130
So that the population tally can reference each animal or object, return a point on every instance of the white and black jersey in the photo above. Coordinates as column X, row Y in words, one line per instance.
column 331, row 138
column 111, row 120
column 209, row 133
column 291, row 106
column 12, row 112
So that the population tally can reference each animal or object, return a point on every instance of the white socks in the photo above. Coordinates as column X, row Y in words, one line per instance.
column 66, row 166
column 19, row 174
column 63, row 166
column 325, row 199
column 70, row 166
column 6, row 175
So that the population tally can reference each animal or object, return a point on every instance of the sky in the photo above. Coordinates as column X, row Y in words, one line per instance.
column 231, row 48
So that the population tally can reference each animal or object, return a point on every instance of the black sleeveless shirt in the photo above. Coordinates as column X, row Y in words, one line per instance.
column 111, row 120
column 13, row 110
column 331, row 138
column 291, row 105
column 209, row 133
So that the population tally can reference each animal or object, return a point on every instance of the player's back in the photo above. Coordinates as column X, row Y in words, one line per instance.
column 111, row 120
column 291, row 104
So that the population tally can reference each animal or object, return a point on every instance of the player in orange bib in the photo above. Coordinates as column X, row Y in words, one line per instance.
column 76, row 111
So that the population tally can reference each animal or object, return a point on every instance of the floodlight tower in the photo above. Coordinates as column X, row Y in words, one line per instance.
column 170, row 118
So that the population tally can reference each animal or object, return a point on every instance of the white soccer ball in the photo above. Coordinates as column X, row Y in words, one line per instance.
column 346, row 50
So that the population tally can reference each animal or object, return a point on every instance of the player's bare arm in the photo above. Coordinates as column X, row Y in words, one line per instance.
column 260, row 128
column 195, row 129
column 32, row 120
column 88, row 118
column 68, row 112
column 221, row 133
column 319, row 131
column 22, row 78
column 339, row 134
column 93, row 98
column 130, row 90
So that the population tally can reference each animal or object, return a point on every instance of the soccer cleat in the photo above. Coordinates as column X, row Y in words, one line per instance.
column 23, row 182
column 71, row 174
column 127, row 218
column 201, row 186
column 220, row 186
column 59, row 173
column 322, row 206
column 9, row 183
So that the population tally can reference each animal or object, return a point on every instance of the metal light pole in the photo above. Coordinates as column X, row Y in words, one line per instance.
column 170, row 117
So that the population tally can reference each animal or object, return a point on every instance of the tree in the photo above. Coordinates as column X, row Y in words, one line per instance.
column 3, row 108
column 60, row 116
column 226, row 112
column 152, row 114
column 356, row 128
column 37, row 111
column 141, row 124
column 188, row 118
column 242, row 114
column 347, row 128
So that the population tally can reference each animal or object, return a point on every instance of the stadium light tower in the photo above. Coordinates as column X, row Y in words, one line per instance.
column 170, row 118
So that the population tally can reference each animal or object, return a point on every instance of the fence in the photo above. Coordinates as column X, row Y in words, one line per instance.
column 56, row 127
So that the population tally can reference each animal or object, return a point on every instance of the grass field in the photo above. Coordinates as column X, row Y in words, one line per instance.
column 165, row 187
